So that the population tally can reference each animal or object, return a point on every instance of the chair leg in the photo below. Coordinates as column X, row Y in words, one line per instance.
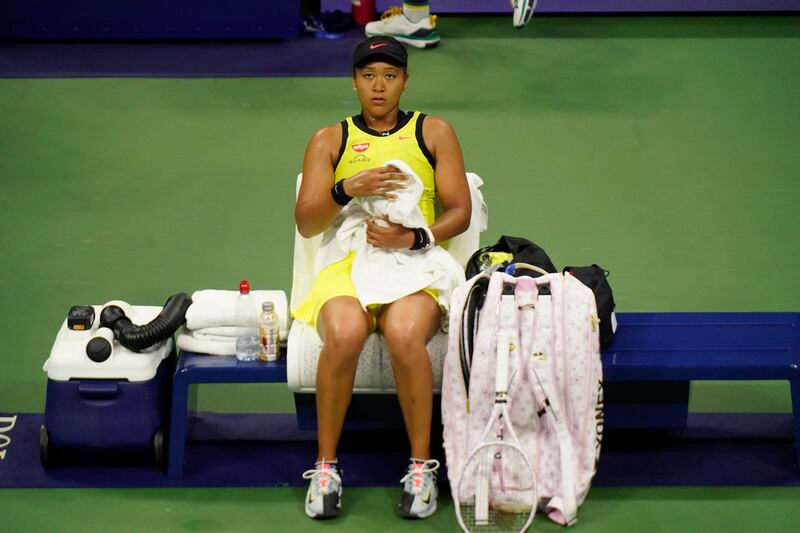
column 177, row 427
column 794, row 384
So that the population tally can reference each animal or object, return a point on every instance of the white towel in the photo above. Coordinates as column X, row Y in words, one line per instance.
column 220, row 334
column 213, row 308
column 461, row 247
column 381, row 275
column 187, row 342
column 221, row 331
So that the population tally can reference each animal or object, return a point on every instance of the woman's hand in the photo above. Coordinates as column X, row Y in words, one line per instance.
column 379, row 181
column 385, row 234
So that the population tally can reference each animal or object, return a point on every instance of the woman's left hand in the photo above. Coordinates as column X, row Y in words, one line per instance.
column 383, row 233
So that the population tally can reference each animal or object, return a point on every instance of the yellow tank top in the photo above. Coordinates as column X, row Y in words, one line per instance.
column 363, row 148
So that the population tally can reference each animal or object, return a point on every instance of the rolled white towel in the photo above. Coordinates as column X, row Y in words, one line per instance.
column 187, row 342
column 219, row 333
column 213, row 308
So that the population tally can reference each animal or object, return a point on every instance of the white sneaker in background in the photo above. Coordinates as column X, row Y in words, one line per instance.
column 394, row 23
column 523, row 9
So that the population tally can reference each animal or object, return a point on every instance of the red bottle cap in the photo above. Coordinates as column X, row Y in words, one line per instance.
column 244, row 287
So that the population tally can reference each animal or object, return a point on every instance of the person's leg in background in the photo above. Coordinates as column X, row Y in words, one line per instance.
column 415, row 10
column 412, row 25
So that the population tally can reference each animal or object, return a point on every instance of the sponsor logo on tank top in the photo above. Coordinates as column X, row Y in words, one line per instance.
column 361, row 147
column 360, row 158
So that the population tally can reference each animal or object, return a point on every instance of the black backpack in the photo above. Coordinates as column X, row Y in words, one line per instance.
column 521, row 250
column 594, row 277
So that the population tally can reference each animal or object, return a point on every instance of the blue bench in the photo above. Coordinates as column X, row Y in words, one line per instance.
column 647, row 369
column 653, row 348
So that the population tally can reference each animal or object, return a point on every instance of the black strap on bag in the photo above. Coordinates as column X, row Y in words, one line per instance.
column 596, row 278
column 522, row 250
column 470, row 318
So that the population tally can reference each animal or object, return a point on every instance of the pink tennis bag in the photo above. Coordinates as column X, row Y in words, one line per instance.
column 555, row 382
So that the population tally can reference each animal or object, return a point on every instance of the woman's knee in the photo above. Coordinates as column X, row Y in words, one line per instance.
column 408, row 324
column 406, row 344
column 345, row 338
column 343, row 328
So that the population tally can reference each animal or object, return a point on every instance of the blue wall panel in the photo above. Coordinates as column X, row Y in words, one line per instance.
column 149, row 19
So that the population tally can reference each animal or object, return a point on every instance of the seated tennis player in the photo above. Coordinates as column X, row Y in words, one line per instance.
column 344, row 161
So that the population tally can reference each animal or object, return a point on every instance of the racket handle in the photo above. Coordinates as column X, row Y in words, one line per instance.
column 501, row 372
column 482, row 490
column 508, row 307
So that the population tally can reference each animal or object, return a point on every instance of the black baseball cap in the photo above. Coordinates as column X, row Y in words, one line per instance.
column 380, row 48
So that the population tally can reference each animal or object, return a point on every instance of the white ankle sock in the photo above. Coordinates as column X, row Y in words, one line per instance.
column 415, row 14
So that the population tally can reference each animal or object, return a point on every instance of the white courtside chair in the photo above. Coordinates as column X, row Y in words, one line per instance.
column 374, row 373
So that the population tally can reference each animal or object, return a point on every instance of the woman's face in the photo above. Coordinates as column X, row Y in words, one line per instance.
column 379, row 87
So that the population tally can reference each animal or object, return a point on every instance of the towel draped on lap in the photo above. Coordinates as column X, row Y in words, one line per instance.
column 383, row 275
column 306, row 259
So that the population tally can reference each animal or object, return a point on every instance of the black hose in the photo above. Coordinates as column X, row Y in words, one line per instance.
column 162, row 327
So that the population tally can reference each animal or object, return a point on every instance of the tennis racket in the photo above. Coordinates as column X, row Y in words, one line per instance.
column 526, row 300
column 496, row 490
column 470, row 319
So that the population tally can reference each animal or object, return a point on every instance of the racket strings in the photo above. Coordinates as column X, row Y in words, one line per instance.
column 498, row 475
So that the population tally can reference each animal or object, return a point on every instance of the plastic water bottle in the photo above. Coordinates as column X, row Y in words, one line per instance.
column 246, row 319
column 269, row 332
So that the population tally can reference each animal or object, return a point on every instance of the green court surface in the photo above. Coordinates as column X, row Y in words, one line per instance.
column 663, row 148
column 623, row 510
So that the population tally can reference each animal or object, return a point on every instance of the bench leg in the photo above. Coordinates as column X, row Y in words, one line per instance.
column 177, row 427
column 794, row 384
